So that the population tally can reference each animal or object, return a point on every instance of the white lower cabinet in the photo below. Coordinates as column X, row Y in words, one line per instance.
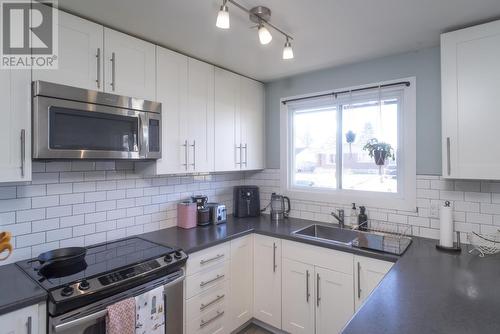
column 28, row 320
column 241, row 309
column 367, row 275
column 267, row 280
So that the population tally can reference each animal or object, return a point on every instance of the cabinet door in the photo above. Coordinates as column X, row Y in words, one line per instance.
column 227, row 108
column 470, row 65
column 334, row 300
column 267, row 280
column 171, row 91
column 367, row 275
column 15, row 128
column 23, row 321
column 252, row 124
column 80, row 62
column 298, row 297
column 241, row 306
column 129, row 65
column 200, row 116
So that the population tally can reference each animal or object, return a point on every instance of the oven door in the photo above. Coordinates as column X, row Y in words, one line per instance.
column 65, row 129
column 91, row 319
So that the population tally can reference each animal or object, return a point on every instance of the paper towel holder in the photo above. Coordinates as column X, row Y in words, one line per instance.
column 457, row 246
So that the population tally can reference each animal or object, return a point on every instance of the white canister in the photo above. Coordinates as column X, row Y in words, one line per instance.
column 446, row 225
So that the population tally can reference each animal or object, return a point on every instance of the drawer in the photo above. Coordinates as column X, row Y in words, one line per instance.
column 319, row 256
column 205, row 302
column 207, row 258
column 215, row 321
column 204, row 280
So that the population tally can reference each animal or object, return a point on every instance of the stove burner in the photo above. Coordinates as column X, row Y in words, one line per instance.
column 51, row 271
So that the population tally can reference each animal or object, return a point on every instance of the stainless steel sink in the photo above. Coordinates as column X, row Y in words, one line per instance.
column 327, row 234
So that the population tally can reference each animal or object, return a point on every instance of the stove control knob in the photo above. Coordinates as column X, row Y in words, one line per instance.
column 168, row 258
column 177, row 255
column 84, row 285
column 67, row 291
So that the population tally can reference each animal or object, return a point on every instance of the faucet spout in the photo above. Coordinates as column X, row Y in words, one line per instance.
column 340, row 217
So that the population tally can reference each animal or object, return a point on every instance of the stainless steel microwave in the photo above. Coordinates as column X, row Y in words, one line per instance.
column 75, row 123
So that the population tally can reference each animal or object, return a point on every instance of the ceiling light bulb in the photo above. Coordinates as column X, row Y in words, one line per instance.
column 223, row 18
column 287, row 50
column 264, row 35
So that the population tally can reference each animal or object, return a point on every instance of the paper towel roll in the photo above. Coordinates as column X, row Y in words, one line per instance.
column 446, row 225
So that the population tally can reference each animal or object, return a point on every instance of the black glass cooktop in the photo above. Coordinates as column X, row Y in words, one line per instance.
column 100, row 259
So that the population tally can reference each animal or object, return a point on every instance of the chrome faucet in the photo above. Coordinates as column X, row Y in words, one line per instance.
column 340, row 217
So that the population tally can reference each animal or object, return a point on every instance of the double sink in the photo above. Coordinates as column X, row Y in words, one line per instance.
column 383, row 242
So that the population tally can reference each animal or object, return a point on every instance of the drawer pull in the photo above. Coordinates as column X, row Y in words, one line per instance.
column 218, row 256
column 203, row 323
column 218, row 277
column 204, row 306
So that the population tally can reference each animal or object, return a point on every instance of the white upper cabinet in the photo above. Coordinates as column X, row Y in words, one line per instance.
column 129, row 65
column 171, row 91
column 200, row 116
column 367, row 275
column 15, row 128
column 239, row 122
column 470, row 77
column 80, row 57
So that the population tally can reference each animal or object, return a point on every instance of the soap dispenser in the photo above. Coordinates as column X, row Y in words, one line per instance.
column 362, row 219
column 354, row 215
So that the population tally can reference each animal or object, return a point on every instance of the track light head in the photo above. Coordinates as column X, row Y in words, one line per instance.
column 223, row 17
column 265, row 36
column 287, row 50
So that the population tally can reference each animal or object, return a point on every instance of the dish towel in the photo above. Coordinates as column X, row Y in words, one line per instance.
column 121, row 317
column 150, row 312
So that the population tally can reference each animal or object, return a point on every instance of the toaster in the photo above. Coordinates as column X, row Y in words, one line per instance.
column 218, row 213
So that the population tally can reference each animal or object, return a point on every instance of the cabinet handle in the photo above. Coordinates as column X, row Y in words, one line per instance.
column 185, row 145
column 23, row 152
column 98, row 59
column 218, row 277
column 307, row 286
column 359, row 280
column 218, row 256
column 318, row 298
column 113, row 71
column 448, row 155
column 236, row 155
column 218, row 315
column 204, row 306
column 246, row 154
column 29, row 325
column 194, row 154
column 274, row 257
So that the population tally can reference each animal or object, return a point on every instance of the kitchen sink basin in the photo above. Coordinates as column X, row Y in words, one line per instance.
column 327, row 234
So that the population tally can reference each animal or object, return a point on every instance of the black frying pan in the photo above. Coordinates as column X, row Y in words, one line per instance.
column 61, row 257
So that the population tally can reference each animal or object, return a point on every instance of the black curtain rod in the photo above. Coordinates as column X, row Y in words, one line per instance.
column 401, row 83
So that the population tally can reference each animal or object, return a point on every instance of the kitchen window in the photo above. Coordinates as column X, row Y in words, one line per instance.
column 324, row 145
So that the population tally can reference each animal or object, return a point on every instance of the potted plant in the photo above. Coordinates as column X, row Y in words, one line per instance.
column 350, row 137
column 380, row 152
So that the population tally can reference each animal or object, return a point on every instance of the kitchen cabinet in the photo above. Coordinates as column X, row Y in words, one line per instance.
column 470, row 77
column 129, row 65
column 80, row 54
column 15, row 128
column 267, row 280
column 239, row 122
column 241, row 281
column 28, row 320
column 367, row 275
column 200, row 116
column 298, row 297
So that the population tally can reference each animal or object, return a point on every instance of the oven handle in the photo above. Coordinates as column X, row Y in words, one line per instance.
column 103, row 313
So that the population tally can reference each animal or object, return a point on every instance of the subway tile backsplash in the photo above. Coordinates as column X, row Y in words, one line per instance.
column 86, row 202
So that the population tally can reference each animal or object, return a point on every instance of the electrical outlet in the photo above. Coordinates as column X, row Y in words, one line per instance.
column 434, row 212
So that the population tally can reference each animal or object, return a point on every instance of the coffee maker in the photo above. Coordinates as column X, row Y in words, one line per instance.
column 203, row 212
column 246, row 201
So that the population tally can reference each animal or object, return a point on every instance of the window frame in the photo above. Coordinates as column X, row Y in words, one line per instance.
column 404, row 199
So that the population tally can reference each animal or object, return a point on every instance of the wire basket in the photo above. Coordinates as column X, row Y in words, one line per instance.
column 393, row 238
column 484, row 244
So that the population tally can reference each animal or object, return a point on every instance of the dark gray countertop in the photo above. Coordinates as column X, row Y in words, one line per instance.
column 18, row 290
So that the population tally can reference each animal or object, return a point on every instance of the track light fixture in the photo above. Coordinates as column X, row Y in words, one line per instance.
column 261, row 16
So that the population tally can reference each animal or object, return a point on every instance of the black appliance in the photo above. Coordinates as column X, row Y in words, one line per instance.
column 246, row 201
column 80, row 291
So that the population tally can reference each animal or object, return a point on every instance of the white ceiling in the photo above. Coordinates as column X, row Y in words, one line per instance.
column 327, row 32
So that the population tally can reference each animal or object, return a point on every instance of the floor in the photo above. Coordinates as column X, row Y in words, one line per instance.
column 254, row 329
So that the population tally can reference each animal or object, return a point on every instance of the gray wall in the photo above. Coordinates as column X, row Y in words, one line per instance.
column 423, row 64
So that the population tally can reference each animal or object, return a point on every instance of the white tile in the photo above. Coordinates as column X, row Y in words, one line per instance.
column 83, row 208
column 95, row 176
column 58, row 166
column 105, row 226
column 116, row 194
column 30, row 239
column 7, row 218
column 478, row 218
column 15, row 204
column 125, row 203
column 45, row 225
column 71, row 177
column 72, row 221
column 466, row 206
column 82, row 166
column 63, row 233
column 59, row 211
column 478, row 197
column 95, row 217
column 125, row 222
column 105, row 185
column 116, row 214
column 451, row 195
column 18, row 229
column 73, row 242
column 84, row 187
column 83, row 229
column 38, row 167
column 71, row 198
column 44, row 178
column 37, row 249
column 95, row 196
column 105, row 205
column 59, row 188
column 31, row 190
column 473, row 186
column 29, row 215
column 8, row 192
column 490, row 208
column 116, row 234
column 95, row 238
column 136, row 192
column 105, row 165
column 135, row 211
column 45, row 201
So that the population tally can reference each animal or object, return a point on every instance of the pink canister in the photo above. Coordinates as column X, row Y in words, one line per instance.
column 186, row 215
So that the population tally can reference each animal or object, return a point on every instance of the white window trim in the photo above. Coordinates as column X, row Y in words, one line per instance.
column 406, row 199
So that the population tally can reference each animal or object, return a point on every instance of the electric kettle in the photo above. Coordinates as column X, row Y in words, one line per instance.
column 279, row 210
